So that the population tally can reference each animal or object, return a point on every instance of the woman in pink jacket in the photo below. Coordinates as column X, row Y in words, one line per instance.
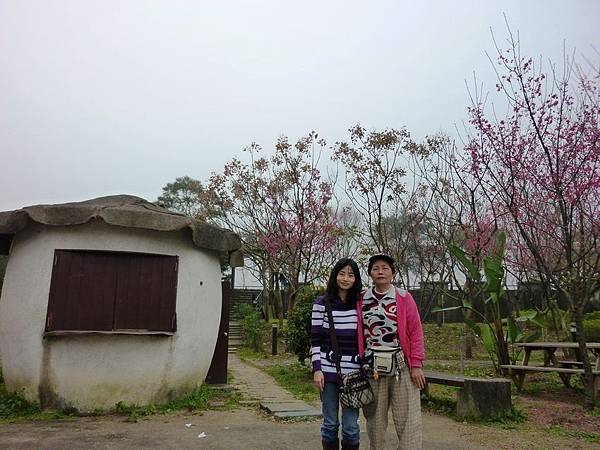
column 391, row 344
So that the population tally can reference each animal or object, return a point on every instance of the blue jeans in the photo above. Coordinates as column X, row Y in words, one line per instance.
column 329, row 429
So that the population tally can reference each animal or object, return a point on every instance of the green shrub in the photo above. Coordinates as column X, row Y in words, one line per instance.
column 592, row 329
column 592, row 315
column 253, row 327
column 297, row 332
column 13, row 405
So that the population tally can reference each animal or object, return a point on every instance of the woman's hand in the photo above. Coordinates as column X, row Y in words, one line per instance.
column 418, row 377
column 319, row 380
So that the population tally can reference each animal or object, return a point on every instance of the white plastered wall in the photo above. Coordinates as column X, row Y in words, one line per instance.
column 97, row 371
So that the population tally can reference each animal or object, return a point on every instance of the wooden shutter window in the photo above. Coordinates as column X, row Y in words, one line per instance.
column 93, row 291
column 145, row 294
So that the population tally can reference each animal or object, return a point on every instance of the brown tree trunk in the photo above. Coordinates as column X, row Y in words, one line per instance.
column 588, row 378
column 273, row 295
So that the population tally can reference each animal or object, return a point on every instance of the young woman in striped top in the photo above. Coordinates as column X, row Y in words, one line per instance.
column 343, row 288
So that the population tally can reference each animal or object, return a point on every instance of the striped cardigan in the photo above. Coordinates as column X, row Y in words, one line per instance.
column 345, row 323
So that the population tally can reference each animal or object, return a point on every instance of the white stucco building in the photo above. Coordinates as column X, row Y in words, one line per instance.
column 112, row 299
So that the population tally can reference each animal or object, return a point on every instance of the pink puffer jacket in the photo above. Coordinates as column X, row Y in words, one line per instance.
column 410, row 330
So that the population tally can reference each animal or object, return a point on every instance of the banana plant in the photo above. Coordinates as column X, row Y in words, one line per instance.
column 495, row 333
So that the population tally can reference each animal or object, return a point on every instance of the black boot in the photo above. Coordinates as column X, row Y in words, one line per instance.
column 346, row 446
column 331, row 445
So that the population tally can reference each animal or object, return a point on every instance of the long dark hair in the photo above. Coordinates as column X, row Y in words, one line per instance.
column 332, row 286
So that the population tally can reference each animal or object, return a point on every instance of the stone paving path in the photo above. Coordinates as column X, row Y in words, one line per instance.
column 256, row 384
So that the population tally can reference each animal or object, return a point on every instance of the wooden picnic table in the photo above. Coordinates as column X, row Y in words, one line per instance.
column 565, row 367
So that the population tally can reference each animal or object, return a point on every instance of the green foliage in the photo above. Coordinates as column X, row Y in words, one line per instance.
column 486, row 334
column 466, row 263
column 188, row 196
column 183, row 195
column 445, row 405
column 198, row 400
column 592, row 329
column 253, row 327
column 592, row 315
column 495, row 334
column 471, row 369
column 14, row 407
column 297, row 331
column 246, row 354
column 447, row 341
column 552, row 320
column 587, row 436
column 297, row 379
column 534, row 317
column 516, row 416
column 559, row 322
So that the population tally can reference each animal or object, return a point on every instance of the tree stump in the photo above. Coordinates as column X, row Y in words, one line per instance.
column 484, row 398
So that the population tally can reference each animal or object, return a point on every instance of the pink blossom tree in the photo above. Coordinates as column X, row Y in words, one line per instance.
column 283, row 210
column 541, row 163
column 460, row 215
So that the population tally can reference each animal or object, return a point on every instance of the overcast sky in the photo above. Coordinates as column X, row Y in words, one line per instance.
column 109, row 97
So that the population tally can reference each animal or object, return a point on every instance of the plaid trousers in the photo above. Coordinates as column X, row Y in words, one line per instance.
column 404, row 399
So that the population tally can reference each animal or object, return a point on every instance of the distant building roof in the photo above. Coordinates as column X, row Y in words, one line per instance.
column 123, row 211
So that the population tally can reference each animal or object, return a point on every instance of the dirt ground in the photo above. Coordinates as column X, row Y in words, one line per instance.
column 249, row 429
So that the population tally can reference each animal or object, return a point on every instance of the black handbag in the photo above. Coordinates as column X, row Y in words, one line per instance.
column 354, row 388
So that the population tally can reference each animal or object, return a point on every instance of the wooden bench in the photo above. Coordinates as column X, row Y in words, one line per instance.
column 519, row 371
column 444, row 378
column 477, row 397
column 569, row 370
column 569, row 363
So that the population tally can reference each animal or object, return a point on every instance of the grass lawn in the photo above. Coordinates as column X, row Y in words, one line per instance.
column 448, row 341
column 297, row 379
column 199, row 400
column 247, row 354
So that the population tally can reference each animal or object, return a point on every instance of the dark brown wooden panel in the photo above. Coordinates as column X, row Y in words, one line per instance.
column 127, row 291
column 64, row 290
column 104, row 291
column 151, row 278
column 217, row 373
column 81, row 292
column 55, row 315
column 100, row 276
column 146, row 292
column 166, row 318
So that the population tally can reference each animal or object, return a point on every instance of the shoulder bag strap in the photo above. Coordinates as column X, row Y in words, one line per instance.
column 334, row 343
column 360, row 334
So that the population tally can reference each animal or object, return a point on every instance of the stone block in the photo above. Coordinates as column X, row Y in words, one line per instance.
column 275, row 407
column 484, row 398
column 309, row 414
